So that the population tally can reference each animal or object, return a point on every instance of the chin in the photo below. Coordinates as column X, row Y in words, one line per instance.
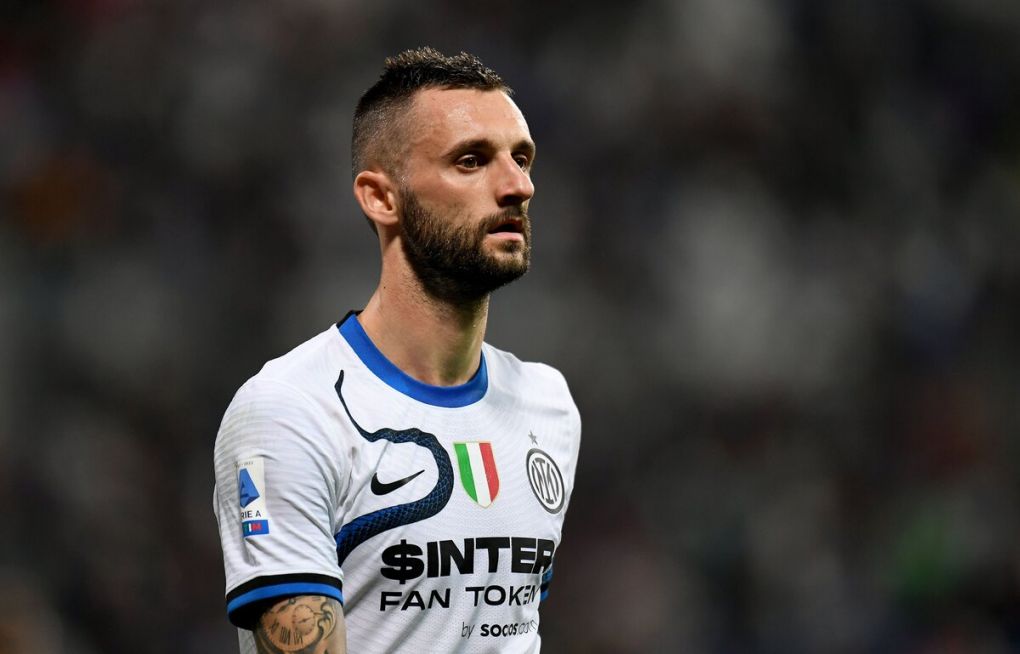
column 507, row 247
column 509, row 259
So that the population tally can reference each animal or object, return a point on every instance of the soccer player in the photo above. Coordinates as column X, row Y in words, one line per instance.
column 395, row 482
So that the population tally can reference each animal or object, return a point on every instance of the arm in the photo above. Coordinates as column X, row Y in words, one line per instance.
column 277, row 489
column 308, row 624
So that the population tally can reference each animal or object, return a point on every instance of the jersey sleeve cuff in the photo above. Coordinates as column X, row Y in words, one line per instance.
column 246, row 603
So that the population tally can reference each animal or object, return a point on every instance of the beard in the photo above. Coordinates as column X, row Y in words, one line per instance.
column 451, row 260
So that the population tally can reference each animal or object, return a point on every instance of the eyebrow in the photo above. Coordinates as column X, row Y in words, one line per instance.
column 527, row 146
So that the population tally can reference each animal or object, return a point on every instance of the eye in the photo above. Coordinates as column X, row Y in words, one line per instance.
column 469, row 161
column 523, row 161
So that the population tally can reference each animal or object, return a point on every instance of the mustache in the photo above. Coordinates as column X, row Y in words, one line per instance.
column 493, row 221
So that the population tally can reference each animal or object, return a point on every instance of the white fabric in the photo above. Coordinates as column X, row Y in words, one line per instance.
column 318, row 470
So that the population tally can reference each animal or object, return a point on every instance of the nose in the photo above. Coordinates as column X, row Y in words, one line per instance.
column 514, row 186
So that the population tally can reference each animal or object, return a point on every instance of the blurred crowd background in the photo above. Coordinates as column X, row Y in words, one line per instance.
column 776, row 253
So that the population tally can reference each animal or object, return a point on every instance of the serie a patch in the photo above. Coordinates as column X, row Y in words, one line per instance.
column 251, row 495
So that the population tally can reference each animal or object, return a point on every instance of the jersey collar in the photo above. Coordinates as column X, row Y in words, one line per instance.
column 442, row 396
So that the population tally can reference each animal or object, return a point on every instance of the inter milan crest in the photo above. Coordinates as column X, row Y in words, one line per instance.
column 546, row 480
column 478, row 472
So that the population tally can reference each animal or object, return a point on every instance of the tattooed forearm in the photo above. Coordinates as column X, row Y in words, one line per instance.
column 308, row 624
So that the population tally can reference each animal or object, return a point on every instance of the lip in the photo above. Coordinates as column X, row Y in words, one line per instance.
column 507, row 236
column 508, row 226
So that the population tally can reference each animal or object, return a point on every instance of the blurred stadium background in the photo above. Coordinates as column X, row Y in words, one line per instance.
column 776, row 254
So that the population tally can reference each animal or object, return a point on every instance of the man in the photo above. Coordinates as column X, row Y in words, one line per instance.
column 395, row 482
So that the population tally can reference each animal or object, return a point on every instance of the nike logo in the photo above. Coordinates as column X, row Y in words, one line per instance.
column 380, row 488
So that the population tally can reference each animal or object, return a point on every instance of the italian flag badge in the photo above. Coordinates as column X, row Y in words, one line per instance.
column 478, row 471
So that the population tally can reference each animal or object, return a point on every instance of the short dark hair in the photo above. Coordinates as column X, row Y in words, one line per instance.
column 378, row 116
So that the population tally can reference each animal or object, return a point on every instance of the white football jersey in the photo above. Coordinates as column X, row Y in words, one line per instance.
column 432, row 513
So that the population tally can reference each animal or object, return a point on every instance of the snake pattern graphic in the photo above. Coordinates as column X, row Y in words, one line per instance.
column 366, row 526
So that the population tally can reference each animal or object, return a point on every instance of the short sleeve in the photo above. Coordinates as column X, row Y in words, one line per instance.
column 276, row 492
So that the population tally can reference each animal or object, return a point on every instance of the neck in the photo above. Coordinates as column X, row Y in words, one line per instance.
column 435, row 341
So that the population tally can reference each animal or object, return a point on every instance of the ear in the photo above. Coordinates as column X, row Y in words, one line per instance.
column 377, row 196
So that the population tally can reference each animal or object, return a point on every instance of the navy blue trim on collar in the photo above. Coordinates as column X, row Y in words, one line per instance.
column 449, row 397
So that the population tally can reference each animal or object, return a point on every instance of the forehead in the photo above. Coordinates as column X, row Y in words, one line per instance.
column 441, row 118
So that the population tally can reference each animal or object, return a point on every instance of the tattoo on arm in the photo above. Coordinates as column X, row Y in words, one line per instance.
column 309, row 624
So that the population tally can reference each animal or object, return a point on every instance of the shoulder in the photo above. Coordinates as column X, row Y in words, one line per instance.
column 506, row 365
column 290, row 394
column 539, row 381
column 296, row 376
column 308, row 362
